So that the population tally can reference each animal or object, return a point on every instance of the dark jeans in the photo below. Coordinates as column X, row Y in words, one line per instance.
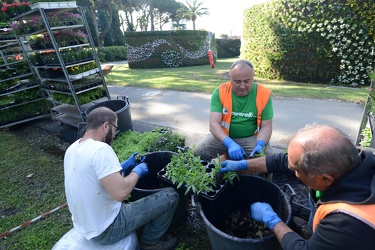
column 154, row 212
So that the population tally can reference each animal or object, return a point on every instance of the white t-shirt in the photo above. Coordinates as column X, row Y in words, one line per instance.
column 91, row 206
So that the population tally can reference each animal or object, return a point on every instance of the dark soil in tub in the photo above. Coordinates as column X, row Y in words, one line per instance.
column 240, row 225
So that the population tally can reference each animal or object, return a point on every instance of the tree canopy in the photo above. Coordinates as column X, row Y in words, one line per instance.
column 192, row 10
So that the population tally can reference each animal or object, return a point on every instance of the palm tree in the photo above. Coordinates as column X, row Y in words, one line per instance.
column 177, row 25
column 192, row 10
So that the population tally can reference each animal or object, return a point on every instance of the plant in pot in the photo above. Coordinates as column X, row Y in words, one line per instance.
column 70, row 38
column 32, row 25
column 70, row 18
column 190, row 172
column 38, row 42
column 15, row 9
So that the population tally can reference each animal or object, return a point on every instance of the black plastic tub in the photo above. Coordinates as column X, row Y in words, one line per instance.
column 151, row 183
column 240, row 195
column 122, row 109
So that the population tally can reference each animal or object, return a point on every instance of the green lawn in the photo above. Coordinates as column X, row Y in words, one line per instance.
column 205, row 79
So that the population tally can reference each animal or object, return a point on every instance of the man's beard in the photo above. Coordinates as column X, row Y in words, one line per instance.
column 108, row 137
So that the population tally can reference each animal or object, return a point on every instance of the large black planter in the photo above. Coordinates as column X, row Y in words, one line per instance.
column 151, row 183
column 240, row 195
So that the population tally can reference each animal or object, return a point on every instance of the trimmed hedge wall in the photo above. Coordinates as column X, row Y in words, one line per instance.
column 318, row 41
column 111, row 53
column 162, row 49
column 228, row 48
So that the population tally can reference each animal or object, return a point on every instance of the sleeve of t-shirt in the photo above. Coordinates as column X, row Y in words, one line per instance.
column 216, row 105
column 105, row 162
column 267, row 113
column 278, row 163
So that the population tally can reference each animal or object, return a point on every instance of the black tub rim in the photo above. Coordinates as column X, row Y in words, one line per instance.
column 244, row 240
column 102, row 104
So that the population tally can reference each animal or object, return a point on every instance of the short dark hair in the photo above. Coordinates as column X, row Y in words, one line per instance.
column 242, row 62
column 100, row 115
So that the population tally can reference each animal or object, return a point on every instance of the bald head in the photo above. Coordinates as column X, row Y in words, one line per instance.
column 323, row 149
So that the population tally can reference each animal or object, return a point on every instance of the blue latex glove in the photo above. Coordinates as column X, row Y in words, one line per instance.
column 142, row 160
column 235, row 151
column 263, row 212
column 141, row 169
column 258, row 147
column 129, row 163
column 233, row 166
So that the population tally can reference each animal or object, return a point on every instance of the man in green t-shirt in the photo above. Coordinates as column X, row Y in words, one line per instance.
column 240, row 118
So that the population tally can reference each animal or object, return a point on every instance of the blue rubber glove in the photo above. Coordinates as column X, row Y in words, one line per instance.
column 129, row 163
column 235, row 151
column 233, row 166
column 263, row 212
column 258, row 147
column 141, row 170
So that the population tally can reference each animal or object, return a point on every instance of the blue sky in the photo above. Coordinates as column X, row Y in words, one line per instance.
column 225, row 16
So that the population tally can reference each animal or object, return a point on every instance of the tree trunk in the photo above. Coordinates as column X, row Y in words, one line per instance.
column 109, row 23
column 95, row 23
column 152, row 15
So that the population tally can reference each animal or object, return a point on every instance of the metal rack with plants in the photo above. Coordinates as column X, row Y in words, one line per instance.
column 21, row 99
column 59, row 46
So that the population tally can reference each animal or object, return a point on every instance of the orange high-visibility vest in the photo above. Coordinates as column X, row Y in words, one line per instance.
column 364, row 213
column 225, row 92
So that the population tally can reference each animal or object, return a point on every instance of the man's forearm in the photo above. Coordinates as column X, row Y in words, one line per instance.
column 257, row 164
column 280, row 230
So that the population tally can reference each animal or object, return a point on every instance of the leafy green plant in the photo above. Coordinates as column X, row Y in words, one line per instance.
column 229, row 176
column 186, row 169
column 372, row 75
column 366, row 137
column 160, row 139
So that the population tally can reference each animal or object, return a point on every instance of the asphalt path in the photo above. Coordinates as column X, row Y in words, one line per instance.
column 188, row 113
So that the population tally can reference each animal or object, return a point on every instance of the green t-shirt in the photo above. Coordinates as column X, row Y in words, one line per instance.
column 244, row 112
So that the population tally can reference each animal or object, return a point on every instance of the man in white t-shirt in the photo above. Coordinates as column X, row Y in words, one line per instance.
column 95, row 190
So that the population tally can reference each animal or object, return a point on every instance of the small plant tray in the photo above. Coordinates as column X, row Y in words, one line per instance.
column 297, row 193
column 212, row 195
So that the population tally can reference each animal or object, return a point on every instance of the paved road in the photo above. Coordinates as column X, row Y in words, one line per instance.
column 188, row 113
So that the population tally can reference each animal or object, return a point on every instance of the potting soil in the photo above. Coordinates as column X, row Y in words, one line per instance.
column 240, row 225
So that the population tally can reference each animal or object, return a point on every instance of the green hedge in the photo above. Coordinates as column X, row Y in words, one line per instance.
column 318, row 41
column 111, row 53
column 228, row 48
column 162, row 49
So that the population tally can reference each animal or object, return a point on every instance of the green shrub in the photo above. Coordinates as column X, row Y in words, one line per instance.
column 228, row 48
column 111, row 53
column 159, row 140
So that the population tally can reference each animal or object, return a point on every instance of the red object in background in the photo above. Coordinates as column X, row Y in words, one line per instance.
column 211, row 58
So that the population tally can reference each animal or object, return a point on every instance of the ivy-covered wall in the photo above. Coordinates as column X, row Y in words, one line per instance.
column 228, row 48
column 321, row 41
column 162, row 49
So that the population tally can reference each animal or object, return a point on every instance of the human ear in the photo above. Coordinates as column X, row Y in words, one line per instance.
column 327, row 180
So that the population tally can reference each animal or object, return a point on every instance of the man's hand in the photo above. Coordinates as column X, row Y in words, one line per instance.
column 129, row 163
column 233, row 166
column 141, row 170
column 235, row 151
column 263, row 212
column 258, row 148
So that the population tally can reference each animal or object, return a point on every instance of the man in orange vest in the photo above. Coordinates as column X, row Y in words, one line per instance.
column 325, row 160
column 240, row 118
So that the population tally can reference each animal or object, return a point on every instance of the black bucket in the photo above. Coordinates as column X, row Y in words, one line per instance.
column 122, row 109
column 239, row 196
column 150, row 184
